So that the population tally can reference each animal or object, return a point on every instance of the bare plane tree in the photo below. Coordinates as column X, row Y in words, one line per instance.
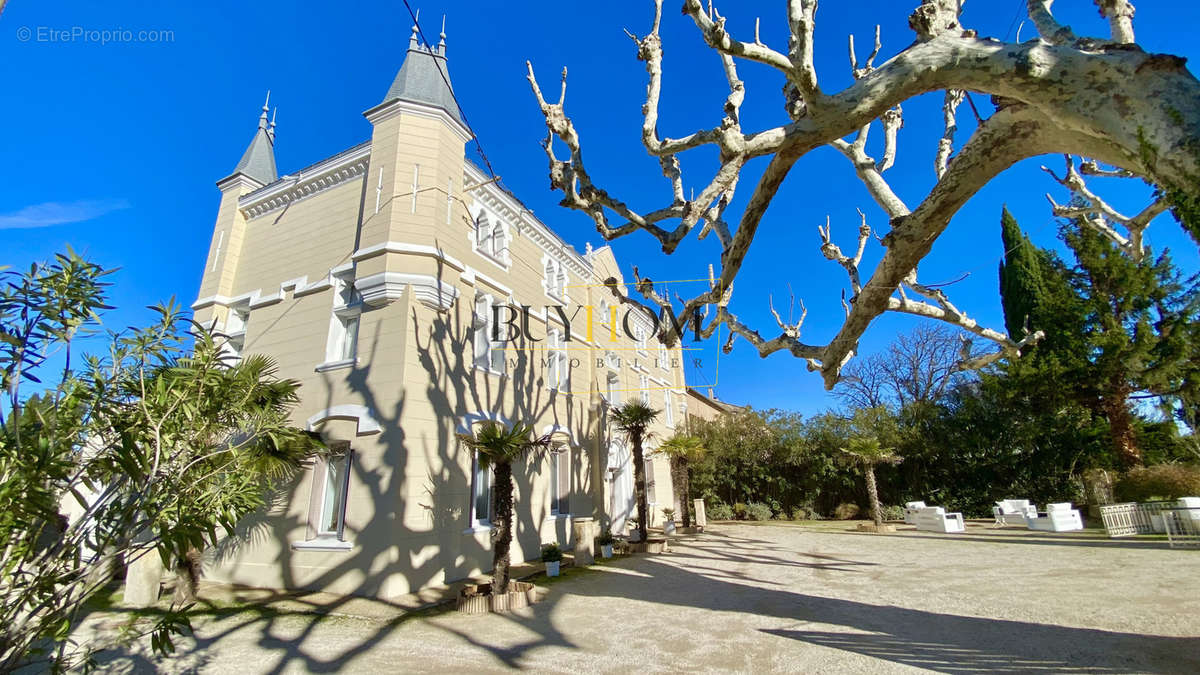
column 1100, row 98
column 918, row 367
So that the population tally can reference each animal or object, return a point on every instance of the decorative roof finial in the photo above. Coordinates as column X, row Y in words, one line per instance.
column 442, row 43
column 262, row 119
column 413, row 40
column 271, row 128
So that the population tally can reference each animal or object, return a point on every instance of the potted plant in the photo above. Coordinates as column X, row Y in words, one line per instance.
column 605, row 540
column 668, row 521
column 635, row 532
column 552, row 556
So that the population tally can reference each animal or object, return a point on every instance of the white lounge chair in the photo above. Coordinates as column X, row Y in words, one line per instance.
column 1183, row 523
column 1013, row 512
column 935, row 519
column 1058, row 518
column 910, row 511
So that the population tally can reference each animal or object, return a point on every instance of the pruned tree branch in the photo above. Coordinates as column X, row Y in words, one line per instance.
column 1061, row 94
column 1093, row 211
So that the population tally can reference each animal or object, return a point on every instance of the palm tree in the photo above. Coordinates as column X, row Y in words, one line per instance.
column 865, row 451
column 633, row 421
column 683, row 451
column 499, row 446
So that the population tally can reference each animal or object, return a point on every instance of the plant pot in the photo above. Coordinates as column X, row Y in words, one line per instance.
column 478, row 598
column 552, row 568
column 635, row 536
column 669, row 527
column 606, row 550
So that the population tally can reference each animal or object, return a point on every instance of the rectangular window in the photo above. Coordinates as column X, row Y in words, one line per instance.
column 614, row 390
column 235, row 332
column 489, row 352
column 481, row 493
column 645, row 386
column 664, row 358
column 555, row 279
column 335, row 479
column 640, row 334
column 556, row 360
column 668, row 407
column 342, row 344
column 560, row 481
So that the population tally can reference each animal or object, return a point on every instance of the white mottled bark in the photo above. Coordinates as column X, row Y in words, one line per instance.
column 1101, row 99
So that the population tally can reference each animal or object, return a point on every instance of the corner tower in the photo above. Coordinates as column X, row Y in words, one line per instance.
column 414, row 191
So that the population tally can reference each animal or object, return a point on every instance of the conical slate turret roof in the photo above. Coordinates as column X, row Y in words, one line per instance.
column 424, row 77
column 258, row 162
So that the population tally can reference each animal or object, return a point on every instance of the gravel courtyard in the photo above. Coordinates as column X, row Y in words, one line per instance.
column 788, row 597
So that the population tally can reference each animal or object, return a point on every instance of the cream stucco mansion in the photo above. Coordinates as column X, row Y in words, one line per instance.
column 371, row 277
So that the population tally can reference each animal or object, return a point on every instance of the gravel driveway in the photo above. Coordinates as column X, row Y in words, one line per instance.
column 800, row 598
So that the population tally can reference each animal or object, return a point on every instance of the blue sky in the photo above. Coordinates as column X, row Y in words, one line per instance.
column 114, row 148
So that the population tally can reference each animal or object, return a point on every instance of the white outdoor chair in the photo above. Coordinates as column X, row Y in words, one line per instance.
column 1013, row 512
column 1058, row 518
column 910, row 511
column 935, row 519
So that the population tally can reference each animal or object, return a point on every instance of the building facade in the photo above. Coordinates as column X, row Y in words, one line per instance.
column 387, row 279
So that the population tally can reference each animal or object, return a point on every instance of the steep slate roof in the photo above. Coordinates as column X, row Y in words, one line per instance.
column 259, row 160
column 420, row 79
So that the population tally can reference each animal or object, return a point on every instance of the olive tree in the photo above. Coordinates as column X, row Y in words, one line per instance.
column 1127, row 112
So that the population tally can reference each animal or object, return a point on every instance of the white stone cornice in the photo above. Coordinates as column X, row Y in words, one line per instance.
column 310, row 181
column 409, row 249
column 367, row 424
column 238, row 180
column 384, row 287
column 255, row 299
column 389, row 109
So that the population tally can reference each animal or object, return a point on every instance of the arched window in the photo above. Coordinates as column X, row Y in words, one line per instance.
column 499, row 241
column 483, row 234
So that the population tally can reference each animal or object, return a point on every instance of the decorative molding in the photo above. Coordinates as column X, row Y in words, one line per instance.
column 408, row 249
column 471, row 419
column 389, row 109
column 552, row 429
column 367, row 424
column 473, row 276
column 238, row 180
column 310, row 181
column 336, row 365
column 498, row 201
column 255, row 299
column 384, row 287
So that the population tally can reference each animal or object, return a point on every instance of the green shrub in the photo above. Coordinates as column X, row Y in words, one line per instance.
column 1164, row 481
column 719, row 511
column 846, row 511
column 606, row 538
column 551, row 553
column 739, row 511
column 893, row 512
column 758, row 511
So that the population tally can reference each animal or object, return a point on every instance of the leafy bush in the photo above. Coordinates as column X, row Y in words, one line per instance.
column 758, row 511
column 551, row 553
column 1164, row 481
column 719, row 511
column 739, row 511
column 893, row 512
column 846, row 511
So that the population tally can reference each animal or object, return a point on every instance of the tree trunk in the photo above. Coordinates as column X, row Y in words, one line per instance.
column 873, row 495
column 684, row 486
column 639, row 484
column 502, row 534
column 1120, row 425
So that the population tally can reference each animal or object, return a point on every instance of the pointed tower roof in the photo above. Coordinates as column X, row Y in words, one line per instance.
column 258, row 162
column 424, row 77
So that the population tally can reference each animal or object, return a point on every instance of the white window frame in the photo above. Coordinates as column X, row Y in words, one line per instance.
column 557, row 365
column 235, row 331
column 651, row 496
column 488, row 352
column 664, row 357
column 560, row 489
column 481, row 479
column 490, row 239
column 335, row 481
column 341, row 347
column 639, row 333
column 669, row 407
column 645, row 385
column 613, row 389
column 555, row 278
